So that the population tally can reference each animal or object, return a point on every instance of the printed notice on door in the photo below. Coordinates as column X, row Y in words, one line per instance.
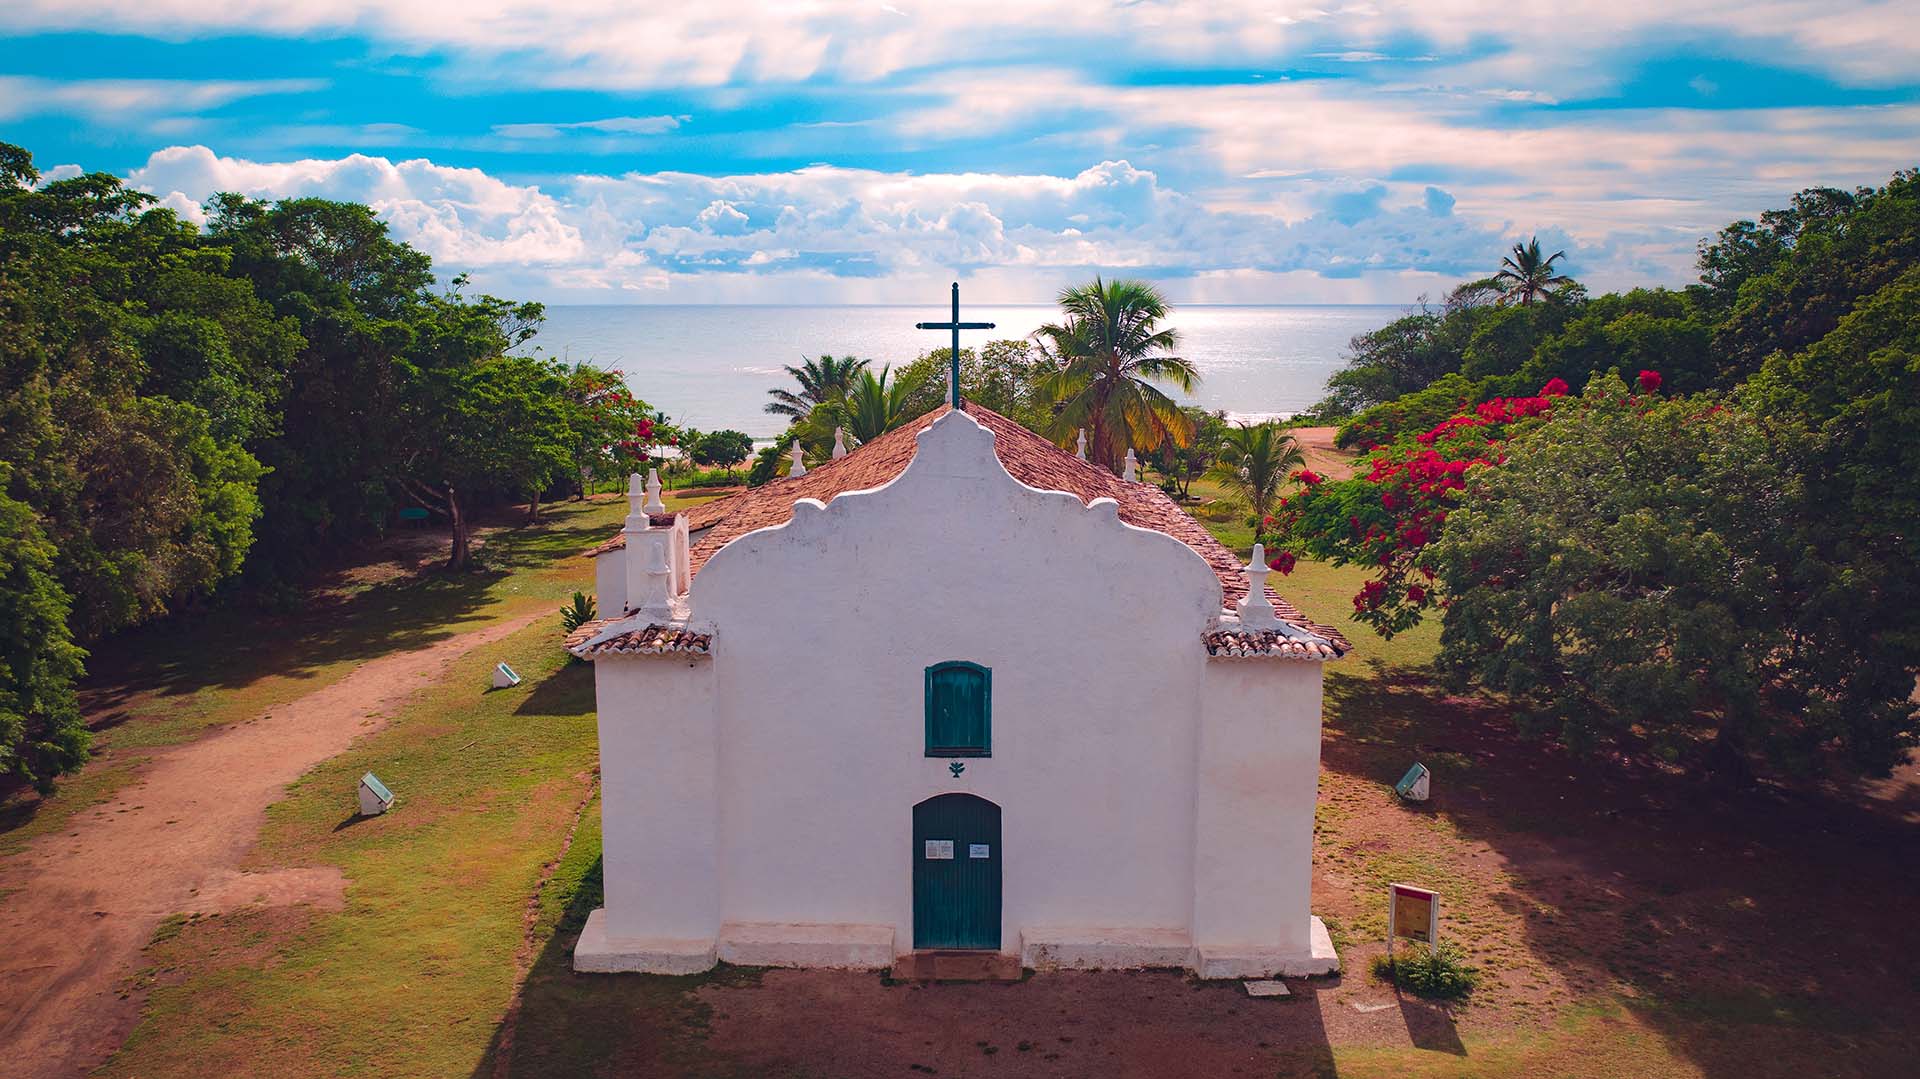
column 979, row 850
column 939, row 849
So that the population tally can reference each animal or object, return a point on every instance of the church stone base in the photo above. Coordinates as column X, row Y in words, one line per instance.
column 1242, row 963
column 597, row 953
column 1079, row 948
column 871, row 947
column 747, row 944
column 798, row 944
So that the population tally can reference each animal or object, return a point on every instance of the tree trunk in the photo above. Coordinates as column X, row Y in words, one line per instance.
column 462, row 554
column 1727, row 763
column 533, row 509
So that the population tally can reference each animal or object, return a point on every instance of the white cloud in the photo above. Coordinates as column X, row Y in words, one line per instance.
column 618, row 44
column 119, row 99
column 615, row 125
column 464, row 218
column 846, row 233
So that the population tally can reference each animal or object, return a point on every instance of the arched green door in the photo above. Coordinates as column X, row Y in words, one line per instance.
column 956, row 873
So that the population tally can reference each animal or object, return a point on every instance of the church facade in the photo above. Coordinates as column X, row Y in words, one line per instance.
column 957, row 689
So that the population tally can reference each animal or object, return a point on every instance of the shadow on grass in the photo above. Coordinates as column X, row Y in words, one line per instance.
column 597, row 1024
column 232, row 647
column 566, row 692
column 1750, row 930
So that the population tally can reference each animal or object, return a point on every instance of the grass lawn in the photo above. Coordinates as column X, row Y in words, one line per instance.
column 1627, row 923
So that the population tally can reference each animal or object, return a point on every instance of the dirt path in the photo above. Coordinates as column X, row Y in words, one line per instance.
column 77, row 908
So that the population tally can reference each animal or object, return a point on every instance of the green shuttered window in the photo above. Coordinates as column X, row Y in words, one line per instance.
column 959, row 710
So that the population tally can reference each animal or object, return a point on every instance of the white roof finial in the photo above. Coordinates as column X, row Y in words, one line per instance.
column 1132, row 466
column 798, row 469
column 1256, row 610
column 656, row 598
column 839, row 443
column 636, row 508
column 654, row 505
column 1080, row 445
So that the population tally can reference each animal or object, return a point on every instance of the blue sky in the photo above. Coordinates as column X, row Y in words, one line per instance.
column 1234, row 151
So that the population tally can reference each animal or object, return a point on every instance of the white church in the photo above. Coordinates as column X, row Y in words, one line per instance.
column 955, row 690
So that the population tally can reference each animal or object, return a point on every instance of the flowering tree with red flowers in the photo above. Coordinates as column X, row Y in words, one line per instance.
column 1388, row 517
column 616, row 432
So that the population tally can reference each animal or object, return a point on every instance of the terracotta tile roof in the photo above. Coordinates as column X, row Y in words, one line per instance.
column 1030, row 459
column 1233, row 642
column 651, row 640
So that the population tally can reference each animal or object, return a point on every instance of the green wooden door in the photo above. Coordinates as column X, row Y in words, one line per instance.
column 956, row 873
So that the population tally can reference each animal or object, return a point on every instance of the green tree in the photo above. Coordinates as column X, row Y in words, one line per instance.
column 480, row 422
column 1255, row 460
column 603, row 415
column 1104, row 356
column 725, row 448
column 1181, row 465
column 820, row 380
column 131, row 371
column 1829, row 252
column 871, row 407
column 358, row 299
column 1654, row 573
column 41, row 733
column 1527, row 275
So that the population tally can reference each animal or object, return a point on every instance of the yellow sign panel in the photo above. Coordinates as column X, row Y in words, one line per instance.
column 1413, row 914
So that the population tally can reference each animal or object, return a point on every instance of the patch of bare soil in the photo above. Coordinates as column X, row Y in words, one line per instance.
column 81, row 905
column 1322, row 456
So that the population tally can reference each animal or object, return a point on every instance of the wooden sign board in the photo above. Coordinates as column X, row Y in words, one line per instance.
column 1413, row 914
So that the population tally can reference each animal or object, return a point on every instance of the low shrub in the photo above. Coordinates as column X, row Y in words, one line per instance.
column 1442, row 975
column 578, row 613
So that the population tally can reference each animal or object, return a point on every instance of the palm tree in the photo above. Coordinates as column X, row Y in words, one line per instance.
column 1104, row 354
column 1526, row 276
column 1255, row 460
column 820, row 381
column 870, row 407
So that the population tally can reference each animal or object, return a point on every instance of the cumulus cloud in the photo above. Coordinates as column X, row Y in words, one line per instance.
column 662, row 230
column 464, row 218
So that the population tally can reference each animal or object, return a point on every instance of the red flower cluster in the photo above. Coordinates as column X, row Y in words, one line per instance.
column 1282, row 563
column 1372, row 595
column 1307, row 477
column 1649, row 381
column 1413, row 486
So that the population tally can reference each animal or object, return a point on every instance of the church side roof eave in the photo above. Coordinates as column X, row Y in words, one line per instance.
column 632, row 635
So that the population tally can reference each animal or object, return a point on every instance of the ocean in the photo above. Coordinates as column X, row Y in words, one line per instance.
column 711, row 366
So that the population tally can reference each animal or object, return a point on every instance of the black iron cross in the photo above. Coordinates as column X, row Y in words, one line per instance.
column 956, row 326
